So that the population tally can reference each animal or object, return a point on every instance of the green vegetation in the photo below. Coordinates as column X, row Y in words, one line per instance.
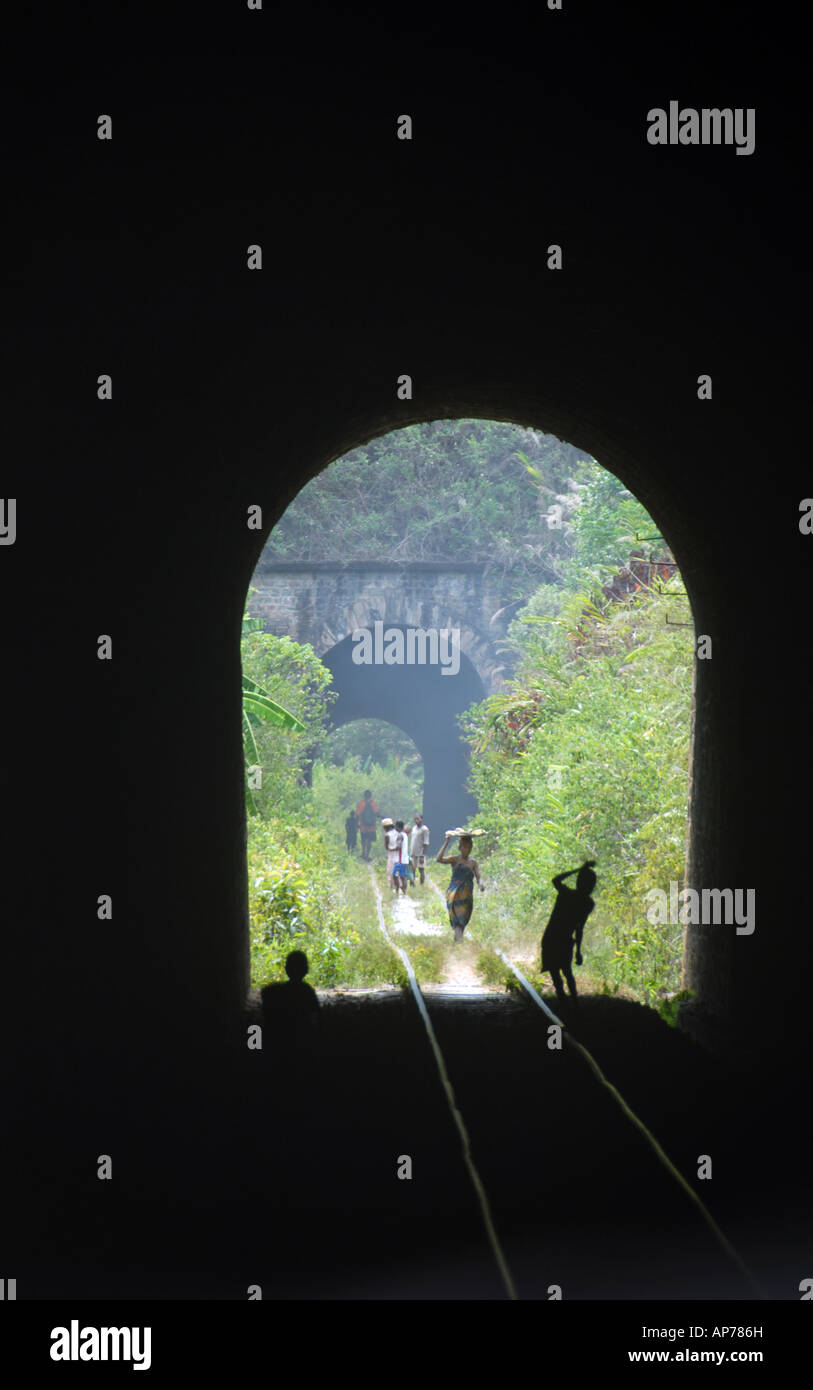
column 493, row 971
column 396, row 791
column 291, row 676
column 302, row 898
column 374, row 743
column 669, row 1007
column 305, row 891
column 469, row 489
column 292, row 904
column 585, row 755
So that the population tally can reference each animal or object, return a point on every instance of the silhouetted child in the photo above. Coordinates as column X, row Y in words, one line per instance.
column 291, row 1010
column 570, row 912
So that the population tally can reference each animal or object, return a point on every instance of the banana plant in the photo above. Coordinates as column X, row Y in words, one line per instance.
column 258, row 702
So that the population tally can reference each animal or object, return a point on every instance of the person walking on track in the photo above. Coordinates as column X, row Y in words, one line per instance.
column 418, row 845
column 460, row 893
column 367, row 813
column 401, row 861
column 390, row 845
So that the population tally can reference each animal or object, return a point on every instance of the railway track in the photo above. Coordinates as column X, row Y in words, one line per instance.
column 648, row 1145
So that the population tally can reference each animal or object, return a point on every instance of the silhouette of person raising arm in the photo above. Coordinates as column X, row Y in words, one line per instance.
column 570, row 912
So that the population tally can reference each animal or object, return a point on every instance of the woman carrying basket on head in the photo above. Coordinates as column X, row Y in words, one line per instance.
column 460, row 893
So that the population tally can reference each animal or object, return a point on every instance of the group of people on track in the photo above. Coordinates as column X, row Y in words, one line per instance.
column 407, row 848
column 363, row 820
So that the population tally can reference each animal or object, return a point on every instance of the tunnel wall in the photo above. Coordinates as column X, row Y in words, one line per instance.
column 232, row 389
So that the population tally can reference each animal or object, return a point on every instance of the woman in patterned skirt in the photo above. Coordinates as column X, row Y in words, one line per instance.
column 460, row 893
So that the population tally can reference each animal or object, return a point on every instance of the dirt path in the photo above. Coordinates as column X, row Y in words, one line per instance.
column 407, row 918
column 460, row 968
column 460, row 974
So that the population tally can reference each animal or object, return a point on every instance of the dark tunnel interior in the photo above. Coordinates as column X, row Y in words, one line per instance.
column 128, row 1035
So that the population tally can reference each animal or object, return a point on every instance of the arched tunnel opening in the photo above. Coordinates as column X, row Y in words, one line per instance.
column 424, row 644
column 375, row 743
column 425, row 699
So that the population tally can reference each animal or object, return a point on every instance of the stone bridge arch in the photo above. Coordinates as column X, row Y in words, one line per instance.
column 456, row 613
column 323, row 602
column 423, row 702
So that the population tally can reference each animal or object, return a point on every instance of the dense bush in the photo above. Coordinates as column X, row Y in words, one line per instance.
column 293, row 903
column 291, row 674
column 303, row 896
column 586, row 756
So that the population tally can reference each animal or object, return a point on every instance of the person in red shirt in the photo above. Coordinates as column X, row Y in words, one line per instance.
column 367, row 812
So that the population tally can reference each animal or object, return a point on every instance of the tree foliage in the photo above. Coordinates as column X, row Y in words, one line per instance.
column 585, row 755
column 606, row 522
column 290, row 678
column 293, row 904
column 447, row 490
column 372, row 741
column 396, row 791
